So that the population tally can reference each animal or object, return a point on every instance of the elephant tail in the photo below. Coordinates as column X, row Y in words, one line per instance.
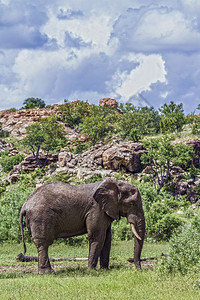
column 22, row 214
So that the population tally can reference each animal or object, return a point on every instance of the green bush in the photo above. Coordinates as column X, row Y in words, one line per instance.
column 4, row 153
column 60, row 176
column 8, row 162
column 121, row 230
column 184, row 250
column 80, row 148
column 159, row 211
column 2, row 189
column 10, row 206
column 161, row 222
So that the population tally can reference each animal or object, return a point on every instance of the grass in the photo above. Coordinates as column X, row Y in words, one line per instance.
column 73, row 280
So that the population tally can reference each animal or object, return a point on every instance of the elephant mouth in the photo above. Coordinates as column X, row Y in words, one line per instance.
column 135, row 232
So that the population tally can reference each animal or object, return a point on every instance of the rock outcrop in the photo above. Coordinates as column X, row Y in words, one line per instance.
column 4, row 146
column 108, row 102
column 29, row 164
column 118, row 155
column 15, row 122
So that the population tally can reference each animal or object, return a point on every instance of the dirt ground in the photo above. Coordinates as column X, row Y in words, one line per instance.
column 25, row 268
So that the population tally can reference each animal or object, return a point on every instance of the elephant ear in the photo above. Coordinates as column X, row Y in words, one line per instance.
column 107, row 196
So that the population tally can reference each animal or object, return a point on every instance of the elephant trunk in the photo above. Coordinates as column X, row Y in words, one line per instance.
column 139, row 231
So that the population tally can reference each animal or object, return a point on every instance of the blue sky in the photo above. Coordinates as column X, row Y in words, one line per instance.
column 141, row 51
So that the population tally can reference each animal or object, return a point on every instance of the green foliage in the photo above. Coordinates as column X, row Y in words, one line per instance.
column 73, row 113
column 182, row 155
column 53, row 132
column 184, row 250
column 161, row 220
column 121, row 230
column 160, row 223
column 60, row 176
column 31, row 103
column 196, row 125
column 172, row 117
column 92, row 179
column 97, row 124
column 10, row 205
column 4, row 153
column 30, row 179
column 137, row 122
column 162, row 155
column 47, row 134
column 12, row 109
column 8, row 162
column 134, row 135
column 78, row 147
column 2, row 188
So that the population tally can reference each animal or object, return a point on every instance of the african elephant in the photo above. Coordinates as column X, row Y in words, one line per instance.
column 59, row 209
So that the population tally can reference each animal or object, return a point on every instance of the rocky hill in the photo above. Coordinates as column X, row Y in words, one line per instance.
column 15, row 122
column 103, row 159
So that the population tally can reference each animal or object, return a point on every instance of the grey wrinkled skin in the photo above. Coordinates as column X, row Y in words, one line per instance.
column 59, row 209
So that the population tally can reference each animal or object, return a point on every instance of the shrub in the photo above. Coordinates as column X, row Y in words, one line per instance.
column 8, row 162
column 31, row 103
column 172, row 117
column 10, row 206
column 162, row 155
column 137, row 122
column 80, row 148
column 73, row 113
column 92, row 179
column 60, row 176
column 184, row 250
column 121, row 230
column 97, row 125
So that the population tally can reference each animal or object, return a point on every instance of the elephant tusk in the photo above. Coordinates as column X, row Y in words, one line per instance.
column 135, row 232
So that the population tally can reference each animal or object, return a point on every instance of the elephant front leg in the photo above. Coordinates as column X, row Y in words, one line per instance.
column 96, row 243
column 44, row 266
column 105, row 252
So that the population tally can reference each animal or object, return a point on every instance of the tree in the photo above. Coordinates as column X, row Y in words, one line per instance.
column 162, row 156
column 97, row 124
column 137, row 122
column 172, row 117
column 73, row 113
column 30, row 103
column 47, row 134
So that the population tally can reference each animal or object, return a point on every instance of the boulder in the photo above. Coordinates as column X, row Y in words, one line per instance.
column 64, row 158
column 124, row 156
column 108, row 102
column 15, row 122
column 114, row 156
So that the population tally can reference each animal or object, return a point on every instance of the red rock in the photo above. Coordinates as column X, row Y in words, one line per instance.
column 108, row 102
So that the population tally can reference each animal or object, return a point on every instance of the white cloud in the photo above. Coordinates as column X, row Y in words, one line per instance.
column 156, row 29
column 88, row 50
column 151, row 69
column 93, row 29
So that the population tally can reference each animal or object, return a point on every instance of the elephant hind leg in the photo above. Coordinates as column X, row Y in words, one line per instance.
column 105, row 252
column 44, row 266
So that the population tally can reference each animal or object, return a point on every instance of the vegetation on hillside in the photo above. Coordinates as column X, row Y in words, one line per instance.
column 31, row 103
column 168, row 214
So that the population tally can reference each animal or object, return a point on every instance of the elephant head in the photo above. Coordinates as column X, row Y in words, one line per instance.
column 119, row 199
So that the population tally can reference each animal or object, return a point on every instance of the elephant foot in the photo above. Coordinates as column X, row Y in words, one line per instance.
column 45, row 271
column 137, row 264
column 104, row 267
